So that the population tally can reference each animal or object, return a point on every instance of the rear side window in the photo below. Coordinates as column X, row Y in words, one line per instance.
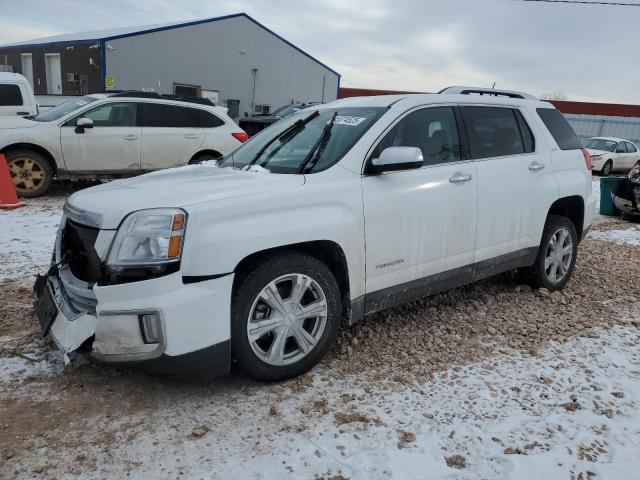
column 631, row 148
column 206, row 119
column 10, row 95
column 169, row 116
column 497, row 132
column 559, row 128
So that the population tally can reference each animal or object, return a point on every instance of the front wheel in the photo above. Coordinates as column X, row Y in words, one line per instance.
column 606, row 169
column 31, row 173
column 556, row 255
column 285, row 316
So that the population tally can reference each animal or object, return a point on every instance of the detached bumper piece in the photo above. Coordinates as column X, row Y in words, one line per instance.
column 627, row 196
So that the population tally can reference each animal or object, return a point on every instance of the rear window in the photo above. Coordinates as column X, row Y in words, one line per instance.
column 497, row 132
column 10, row 95
column 206, row 119
column 169, row 116
column 559, row 128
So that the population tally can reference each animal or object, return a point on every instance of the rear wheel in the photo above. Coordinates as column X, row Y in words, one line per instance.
column 204, row 157
column 285, row 316
column 556, row 255
column 31, row 172
column 606, row 169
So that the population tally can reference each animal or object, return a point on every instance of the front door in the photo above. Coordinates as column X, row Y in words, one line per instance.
column 420, row 225
column 53, row 73
column 111, row 146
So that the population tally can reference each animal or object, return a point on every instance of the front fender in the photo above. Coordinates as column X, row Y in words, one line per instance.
column 221, row 234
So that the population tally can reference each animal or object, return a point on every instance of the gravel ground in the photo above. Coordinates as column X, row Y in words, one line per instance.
column 492, row 380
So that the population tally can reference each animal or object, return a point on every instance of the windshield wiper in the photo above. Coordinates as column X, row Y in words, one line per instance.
column 318, row 147
column 287, row 133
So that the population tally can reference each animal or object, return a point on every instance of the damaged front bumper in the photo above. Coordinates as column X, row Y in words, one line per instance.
column 162, row 325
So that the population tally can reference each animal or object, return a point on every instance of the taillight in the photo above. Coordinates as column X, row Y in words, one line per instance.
column 241, row 136
column 587, row 159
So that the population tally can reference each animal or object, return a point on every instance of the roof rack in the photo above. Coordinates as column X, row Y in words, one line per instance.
column 141, row 94
column 486, row 91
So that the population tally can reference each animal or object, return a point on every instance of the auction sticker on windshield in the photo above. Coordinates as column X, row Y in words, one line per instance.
column 348, row 120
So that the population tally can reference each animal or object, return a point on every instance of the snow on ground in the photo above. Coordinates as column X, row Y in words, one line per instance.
column 566, row 411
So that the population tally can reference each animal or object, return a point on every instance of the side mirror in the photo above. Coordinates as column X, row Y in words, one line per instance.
column 397, row 158
column 83, row 123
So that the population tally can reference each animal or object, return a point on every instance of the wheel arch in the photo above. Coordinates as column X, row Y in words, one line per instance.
column 328, row 252
column 34, row 147
column 208, row 151
column 571, row 207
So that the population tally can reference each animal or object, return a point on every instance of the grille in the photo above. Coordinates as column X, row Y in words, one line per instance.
column 78, row 247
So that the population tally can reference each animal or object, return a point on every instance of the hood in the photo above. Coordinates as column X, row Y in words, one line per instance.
column 594, row 152
column 177, row 187
column 16, row 122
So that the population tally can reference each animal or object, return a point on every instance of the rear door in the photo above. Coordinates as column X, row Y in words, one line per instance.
column 111, row 146
column 420, row 225
column 629, row 158
column 171, row 135
column 516, row 185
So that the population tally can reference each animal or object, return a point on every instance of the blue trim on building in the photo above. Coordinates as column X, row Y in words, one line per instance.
column 171, row 27
column 102, row 69
column 66, row 43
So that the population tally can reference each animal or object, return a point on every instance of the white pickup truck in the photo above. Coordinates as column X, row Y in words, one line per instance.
column 332, row 213
column 16, row 96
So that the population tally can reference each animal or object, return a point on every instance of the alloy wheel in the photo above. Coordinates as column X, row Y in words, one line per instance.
column 558, row 255
column 27, row 173
column 287, row 319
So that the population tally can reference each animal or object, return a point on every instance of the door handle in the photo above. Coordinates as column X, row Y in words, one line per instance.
column 460, row 177
column 131, row 137
column 536, row 166
column 192, row 136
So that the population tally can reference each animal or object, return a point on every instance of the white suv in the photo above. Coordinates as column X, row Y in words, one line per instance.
column 331, row 214
column 16, row 96
column 114, row 135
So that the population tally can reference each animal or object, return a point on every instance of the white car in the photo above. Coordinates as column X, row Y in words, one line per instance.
column 610, row 154
column 333, row 213
column 16, row 96
column 114, row 135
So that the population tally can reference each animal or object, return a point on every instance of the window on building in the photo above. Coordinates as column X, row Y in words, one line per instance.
column 497, row 132
column 433, row 130
column 10, row 95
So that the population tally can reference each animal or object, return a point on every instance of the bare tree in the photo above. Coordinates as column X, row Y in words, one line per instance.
column 557, row 95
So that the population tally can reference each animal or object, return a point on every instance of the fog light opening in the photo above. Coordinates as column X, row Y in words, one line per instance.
column 150, row 327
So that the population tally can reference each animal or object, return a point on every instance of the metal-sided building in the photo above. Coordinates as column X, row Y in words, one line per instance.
column 234, row 59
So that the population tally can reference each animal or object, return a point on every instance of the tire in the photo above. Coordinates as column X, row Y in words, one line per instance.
column 31, row 173
column 541, row 273
column 273, row 278
column 606, row 168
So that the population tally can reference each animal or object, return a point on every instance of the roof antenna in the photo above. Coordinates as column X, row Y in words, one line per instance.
column 493, row 86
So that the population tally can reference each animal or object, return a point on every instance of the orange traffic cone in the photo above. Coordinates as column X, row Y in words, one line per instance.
column 8, row 197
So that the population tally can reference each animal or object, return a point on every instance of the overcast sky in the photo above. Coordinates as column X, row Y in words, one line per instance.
column 588, row 52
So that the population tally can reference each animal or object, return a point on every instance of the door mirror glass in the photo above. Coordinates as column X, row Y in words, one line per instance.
column 83, row 123
column 397, row 158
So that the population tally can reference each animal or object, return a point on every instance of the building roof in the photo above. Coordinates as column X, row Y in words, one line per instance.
column 94, row 36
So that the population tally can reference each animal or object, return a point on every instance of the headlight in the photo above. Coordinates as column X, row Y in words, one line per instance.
column 149, row 237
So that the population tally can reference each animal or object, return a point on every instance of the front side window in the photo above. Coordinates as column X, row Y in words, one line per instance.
column 169, row 116
column 305, row 142
column 433, row 130
column 496, row 132
column 622, row 148
column 10, row 95
column 112, row 115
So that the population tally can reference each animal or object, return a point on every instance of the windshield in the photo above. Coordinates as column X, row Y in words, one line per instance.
column 289, row 146
column 601, row 144
column 63, row 109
